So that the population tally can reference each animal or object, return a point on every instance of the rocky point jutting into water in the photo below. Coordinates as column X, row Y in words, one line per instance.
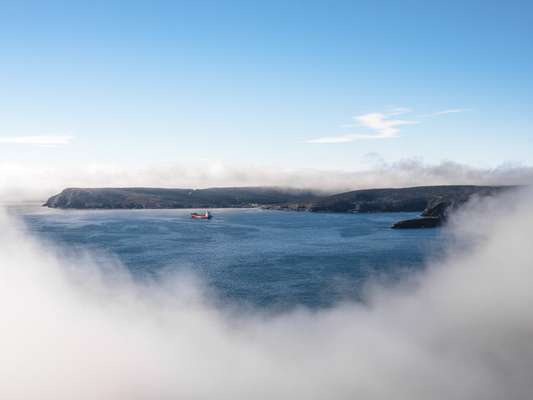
column 440, row 208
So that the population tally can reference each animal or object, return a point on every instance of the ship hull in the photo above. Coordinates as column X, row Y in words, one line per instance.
column 200, row 216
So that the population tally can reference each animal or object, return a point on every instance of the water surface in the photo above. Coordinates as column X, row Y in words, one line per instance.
column 257, row 257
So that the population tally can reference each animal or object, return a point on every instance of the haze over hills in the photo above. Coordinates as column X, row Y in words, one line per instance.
column 399, row 199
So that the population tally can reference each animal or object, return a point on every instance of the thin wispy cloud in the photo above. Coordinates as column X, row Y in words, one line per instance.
column 398, row 110
column 41, row 140
column 382, row 125
column 342, row 138
column 444, row 112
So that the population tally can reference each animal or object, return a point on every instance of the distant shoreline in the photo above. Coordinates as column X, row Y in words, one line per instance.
column 412, row 199
column 433, row 202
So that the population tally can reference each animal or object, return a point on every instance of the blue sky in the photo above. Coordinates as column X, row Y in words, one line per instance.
column 295, row 84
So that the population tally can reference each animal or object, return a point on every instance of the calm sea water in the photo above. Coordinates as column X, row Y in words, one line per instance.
column 256, row 257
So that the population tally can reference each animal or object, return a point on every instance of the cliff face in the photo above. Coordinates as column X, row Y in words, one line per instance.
column 133, row 198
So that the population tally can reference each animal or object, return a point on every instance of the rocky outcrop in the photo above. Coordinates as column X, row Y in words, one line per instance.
column 416, row 223
column 439, row 208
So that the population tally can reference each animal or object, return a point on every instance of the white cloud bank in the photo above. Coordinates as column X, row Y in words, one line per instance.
column 38, row 181
column 75, row 329
column 37, row 140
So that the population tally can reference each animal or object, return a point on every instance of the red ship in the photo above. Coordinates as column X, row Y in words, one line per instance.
column 205, row 215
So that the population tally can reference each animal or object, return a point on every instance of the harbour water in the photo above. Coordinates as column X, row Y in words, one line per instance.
column 265, row 259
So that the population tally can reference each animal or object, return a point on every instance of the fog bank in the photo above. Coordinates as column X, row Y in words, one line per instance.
column 73, row 328
column 38, row 182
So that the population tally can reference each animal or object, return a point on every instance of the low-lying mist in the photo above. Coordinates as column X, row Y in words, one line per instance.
column 74, row 328
column 38, row 182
